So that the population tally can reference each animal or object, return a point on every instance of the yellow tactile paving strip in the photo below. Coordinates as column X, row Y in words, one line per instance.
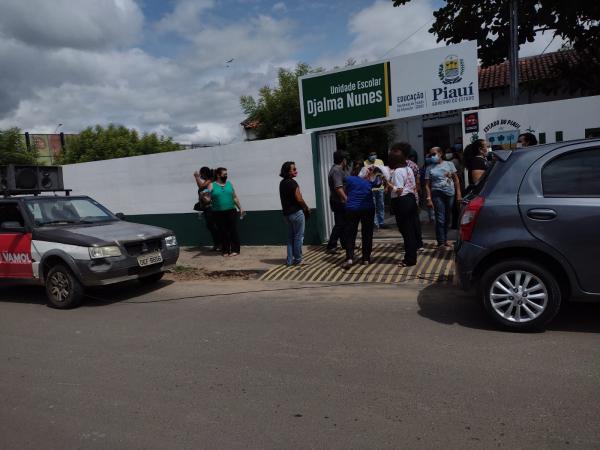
column 433, row 266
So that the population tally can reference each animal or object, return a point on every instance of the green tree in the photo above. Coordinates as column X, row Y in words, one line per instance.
column 115, row 141
column 487, row 22
column 13, row 149
column 277, row 110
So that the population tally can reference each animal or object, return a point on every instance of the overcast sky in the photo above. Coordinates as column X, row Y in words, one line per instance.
column 160, row 65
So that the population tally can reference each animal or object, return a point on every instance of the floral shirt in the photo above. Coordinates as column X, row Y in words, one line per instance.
column 403, row 177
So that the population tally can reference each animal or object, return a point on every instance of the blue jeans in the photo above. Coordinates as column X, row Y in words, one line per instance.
column 442, row 204
column 379, row 207
column 295, row 239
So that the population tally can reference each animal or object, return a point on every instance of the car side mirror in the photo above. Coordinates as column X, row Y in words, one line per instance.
column 120, row 215
column 12, row 226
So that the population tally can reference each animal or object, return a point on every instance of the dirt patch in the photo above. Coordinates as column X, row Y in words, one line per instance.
column 186, row 273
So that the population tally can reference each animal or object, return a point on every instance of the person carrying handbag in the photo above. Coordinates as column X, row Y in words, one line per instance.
column 204, row 180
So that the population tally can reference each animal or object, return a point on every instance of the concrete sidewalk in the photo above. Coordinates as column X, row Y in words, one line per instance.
column 260, row 259
column 251, row 258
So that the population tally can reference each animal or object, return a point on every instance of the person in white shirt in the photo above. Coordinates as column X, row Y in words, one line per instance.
column 404, row 204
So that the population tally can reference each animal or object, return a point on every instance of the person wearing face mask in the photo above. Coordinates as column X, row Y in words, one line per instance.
column 526, row 140
column 442, row 187
column 295, row 212
column 224, row 204
column 476, row 160
column 373, row 160
column 378, row 192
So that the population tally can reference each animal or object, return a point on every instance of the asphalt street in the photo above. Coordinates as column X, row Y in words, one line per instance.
column 249, row 364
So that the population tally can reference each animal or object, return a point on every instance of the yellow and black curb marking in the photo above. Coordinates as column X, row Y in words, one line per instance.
column 433, row 266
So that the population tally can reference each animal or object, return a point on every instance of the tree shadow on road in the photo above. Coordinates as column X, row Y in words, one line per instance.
column 97, row 296
column 449, row 305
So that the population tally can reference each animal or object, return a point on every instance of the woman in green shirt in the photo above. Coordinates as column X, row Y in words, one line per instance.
column 224, row 204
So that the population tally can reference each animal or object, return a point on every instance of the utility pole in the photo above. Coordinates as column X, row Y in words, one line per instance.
column 514, row 51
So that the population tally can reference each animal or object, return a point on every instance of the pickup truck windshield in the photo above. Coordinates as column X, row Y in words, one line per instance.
column 65, row 211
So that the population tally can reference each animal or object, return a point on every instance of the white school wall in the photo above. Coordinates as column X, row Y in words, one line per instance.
column 572, row 117
column 160, row 189
column 163, row 183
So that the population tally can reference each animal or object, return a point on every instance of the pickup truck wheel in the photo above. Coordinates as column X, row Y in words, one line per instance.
column 151, row 279
column 63, row 289
column 520, row 295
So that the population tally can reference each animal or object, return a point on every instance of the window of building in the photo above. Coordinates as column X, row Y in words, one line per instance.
column 574, row 174
column 542, row 138
column 592, row 133
column 559, row 136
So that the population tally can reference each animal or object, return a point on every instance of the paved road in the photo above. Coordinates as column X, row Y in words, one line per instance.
column 359, row 366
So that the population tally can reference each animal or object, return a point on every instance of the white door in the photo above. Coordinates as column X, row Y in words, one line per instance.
column 327, row 146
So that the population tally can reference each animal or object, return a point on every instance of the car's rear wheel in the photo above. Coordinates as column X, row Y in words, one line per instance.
column 151, row 279
column 63, row 289
column 519, row 294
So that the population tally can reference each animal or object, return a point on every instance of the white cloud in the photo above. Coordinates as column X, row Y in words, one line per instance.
column 382, row 31
column 258, row 40
column 542, row 41
column 380, row 27
column 279, row 7
column 186, row 16
column 193, row 97
column 85, row 24
column 211, row 132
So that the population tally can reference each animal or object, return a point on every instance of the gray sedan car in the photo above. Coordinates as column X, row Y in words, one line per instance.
column 530, row 233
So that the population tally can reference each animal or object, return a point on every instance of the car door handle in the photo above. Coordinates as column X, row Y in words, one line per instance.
column 542, row 214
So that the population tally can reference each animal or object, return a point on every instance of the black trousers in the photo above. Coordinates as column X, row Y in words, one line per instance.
column 227, row 224
column 211, row 225
column 366, row 218
column 418, row 232
column 339, row 229
column 405, row 209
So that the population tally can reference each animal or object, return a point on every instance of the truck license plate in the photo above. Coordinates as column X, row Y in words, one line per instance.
column 150, row 258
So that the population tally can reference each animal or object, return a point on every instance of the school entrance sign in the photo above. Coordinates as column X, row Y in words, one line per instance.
column 432, row 81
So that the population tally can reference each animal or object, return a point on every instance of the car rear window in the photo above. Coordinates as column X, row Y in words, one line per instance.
column 574, row 174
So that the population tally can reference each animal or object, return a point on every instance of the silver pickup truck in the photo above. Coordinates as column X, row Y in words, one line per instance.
column 68, row 243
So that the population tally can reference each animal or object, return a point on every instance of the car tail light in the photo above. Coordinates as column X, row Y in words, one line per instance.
column 469, row 218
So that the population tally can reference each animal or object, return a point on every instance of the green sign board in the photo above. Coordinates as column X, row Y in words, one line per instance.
column 353, row 95
column 437, row 80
